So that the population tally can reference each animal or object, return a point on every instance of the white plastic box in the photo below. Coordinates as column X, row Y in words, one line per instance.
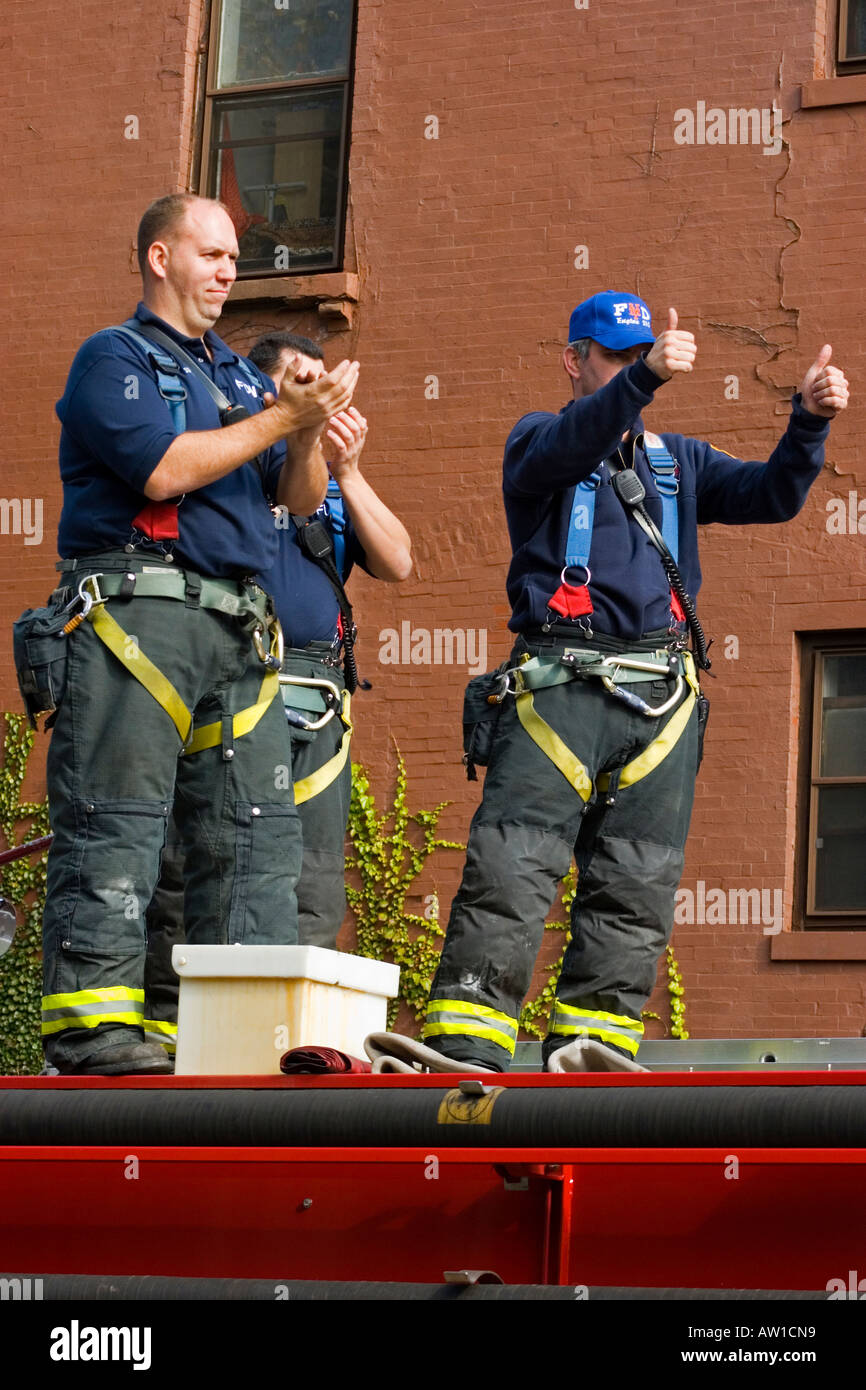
column 242, row 1007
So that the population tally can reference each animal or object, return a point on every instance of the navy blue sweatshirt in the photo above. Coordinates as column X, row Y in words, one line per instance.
column 547, row 455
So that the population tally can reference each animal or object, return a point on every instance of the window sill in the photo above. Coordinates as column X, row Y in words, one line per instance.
column 334, row 294
column 834, row 91
column 818, row 945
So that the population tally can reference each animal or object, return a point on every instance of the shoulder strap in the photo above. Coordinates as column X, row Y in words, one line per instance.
column 336, row 509
column 630, row 492
column 152, row 335
column 317, row 544
column 168, row 378
column 664, row 470
column 147, row 334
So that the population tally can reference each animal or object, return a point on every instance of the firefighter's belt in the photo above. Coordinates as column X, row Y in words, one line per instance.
column 538, row 672
column 97, row 588
column 570, row 765
column 311, row 786
column 229, row 596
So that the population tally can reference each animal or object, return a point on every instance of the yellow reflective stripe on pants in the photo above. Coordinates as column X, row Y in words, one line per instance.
column 618, row 1029
column 455, row 1017
column 548, row 740
column 670, row 735
column 89, row 1007
column 311, row 786
column 129, row 654
column 158, row 1031
column 210, row 735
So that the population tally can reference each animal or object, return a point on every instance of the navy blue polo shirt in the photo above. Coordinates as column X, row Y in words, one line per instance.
column 547, row 455
column 304, row 599
column 117, row 427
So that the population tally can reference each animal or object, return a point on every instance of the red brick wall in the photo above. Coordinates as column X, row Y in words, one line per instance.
column 556, row 130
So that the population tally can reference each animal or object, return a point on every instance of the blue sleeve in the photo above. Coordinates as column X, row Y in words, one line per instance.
column 734, row 492
column 113, row 409
column 355, row 552
column 272, row 464
column 547, row 453
column 274, row 457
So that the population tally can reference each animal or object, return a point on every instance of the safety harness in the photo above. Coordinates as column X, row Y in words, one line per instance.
column 614, row 671
column 159, row 521
column 227, row 596
column 572, row 599
column 619, row 670
column 325, row 545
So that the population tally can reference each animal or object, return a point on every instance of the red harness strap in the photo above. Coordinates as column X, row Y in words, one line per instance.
column 158, row 521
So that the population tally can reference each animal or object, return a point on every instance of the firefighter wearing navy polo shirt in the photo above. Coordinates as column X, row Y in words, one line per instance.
column 596, row 747
column 172, row 671
column 365, row 532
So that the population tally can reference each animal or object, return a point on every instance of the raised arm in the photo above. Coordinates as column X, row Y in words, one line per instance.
column 384, row 538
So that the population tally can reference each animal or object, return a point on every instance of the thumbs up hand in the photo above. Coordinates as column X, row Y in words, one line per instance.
column 824, row 389
column 674, row 350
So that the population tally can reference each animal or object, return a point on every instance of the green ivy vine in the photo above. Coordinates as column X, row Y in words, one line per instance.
column 389, row 856
column 23, row 883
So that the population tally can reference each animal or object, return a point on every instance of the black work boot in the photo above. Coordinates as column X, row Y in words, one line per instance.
column 127, row 1059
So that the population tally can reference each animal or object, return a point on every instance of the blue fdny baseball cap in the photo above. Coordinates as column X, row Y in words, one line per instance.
column 616, row 321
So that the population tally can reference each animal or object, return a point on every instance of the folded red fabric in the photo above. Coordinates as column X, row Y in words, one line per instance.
column 320, row 1061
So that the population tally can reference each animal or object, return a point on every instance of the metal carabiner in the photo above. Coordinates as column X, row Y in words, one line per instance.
column 635, row 701
column 331, row 691
column 507, row 686
column 273, row 660
column 87, row 598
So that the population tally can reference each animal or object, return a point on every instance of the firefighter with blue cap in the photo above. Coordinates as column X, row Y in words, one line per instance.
column 592, row 731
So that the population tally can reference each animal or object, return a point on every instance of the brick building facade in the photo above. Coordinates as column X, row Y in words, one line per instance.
column 505, row 161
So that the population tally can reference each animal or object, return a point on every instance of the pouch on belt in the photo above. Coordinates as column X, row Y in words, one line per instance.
column 40, row 648
column 482, row 701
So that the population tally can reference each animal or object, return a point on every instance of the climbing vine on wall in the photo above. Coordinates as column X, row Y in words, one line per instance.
column 23, row 883
column 390, row 849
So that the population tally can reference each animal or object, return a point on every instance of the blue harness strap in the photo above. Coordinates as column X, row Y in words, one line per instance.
column 168, row 376
column 579, row 539
column 572, row 598
column 664, row 471
column 334, row 509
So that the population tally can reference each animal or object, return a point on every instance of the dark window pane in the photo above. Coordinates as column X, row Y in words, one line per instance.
column 276, row 168
column 283, row 40
column 856, row 36
column 840, row 858
column 843, row 742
